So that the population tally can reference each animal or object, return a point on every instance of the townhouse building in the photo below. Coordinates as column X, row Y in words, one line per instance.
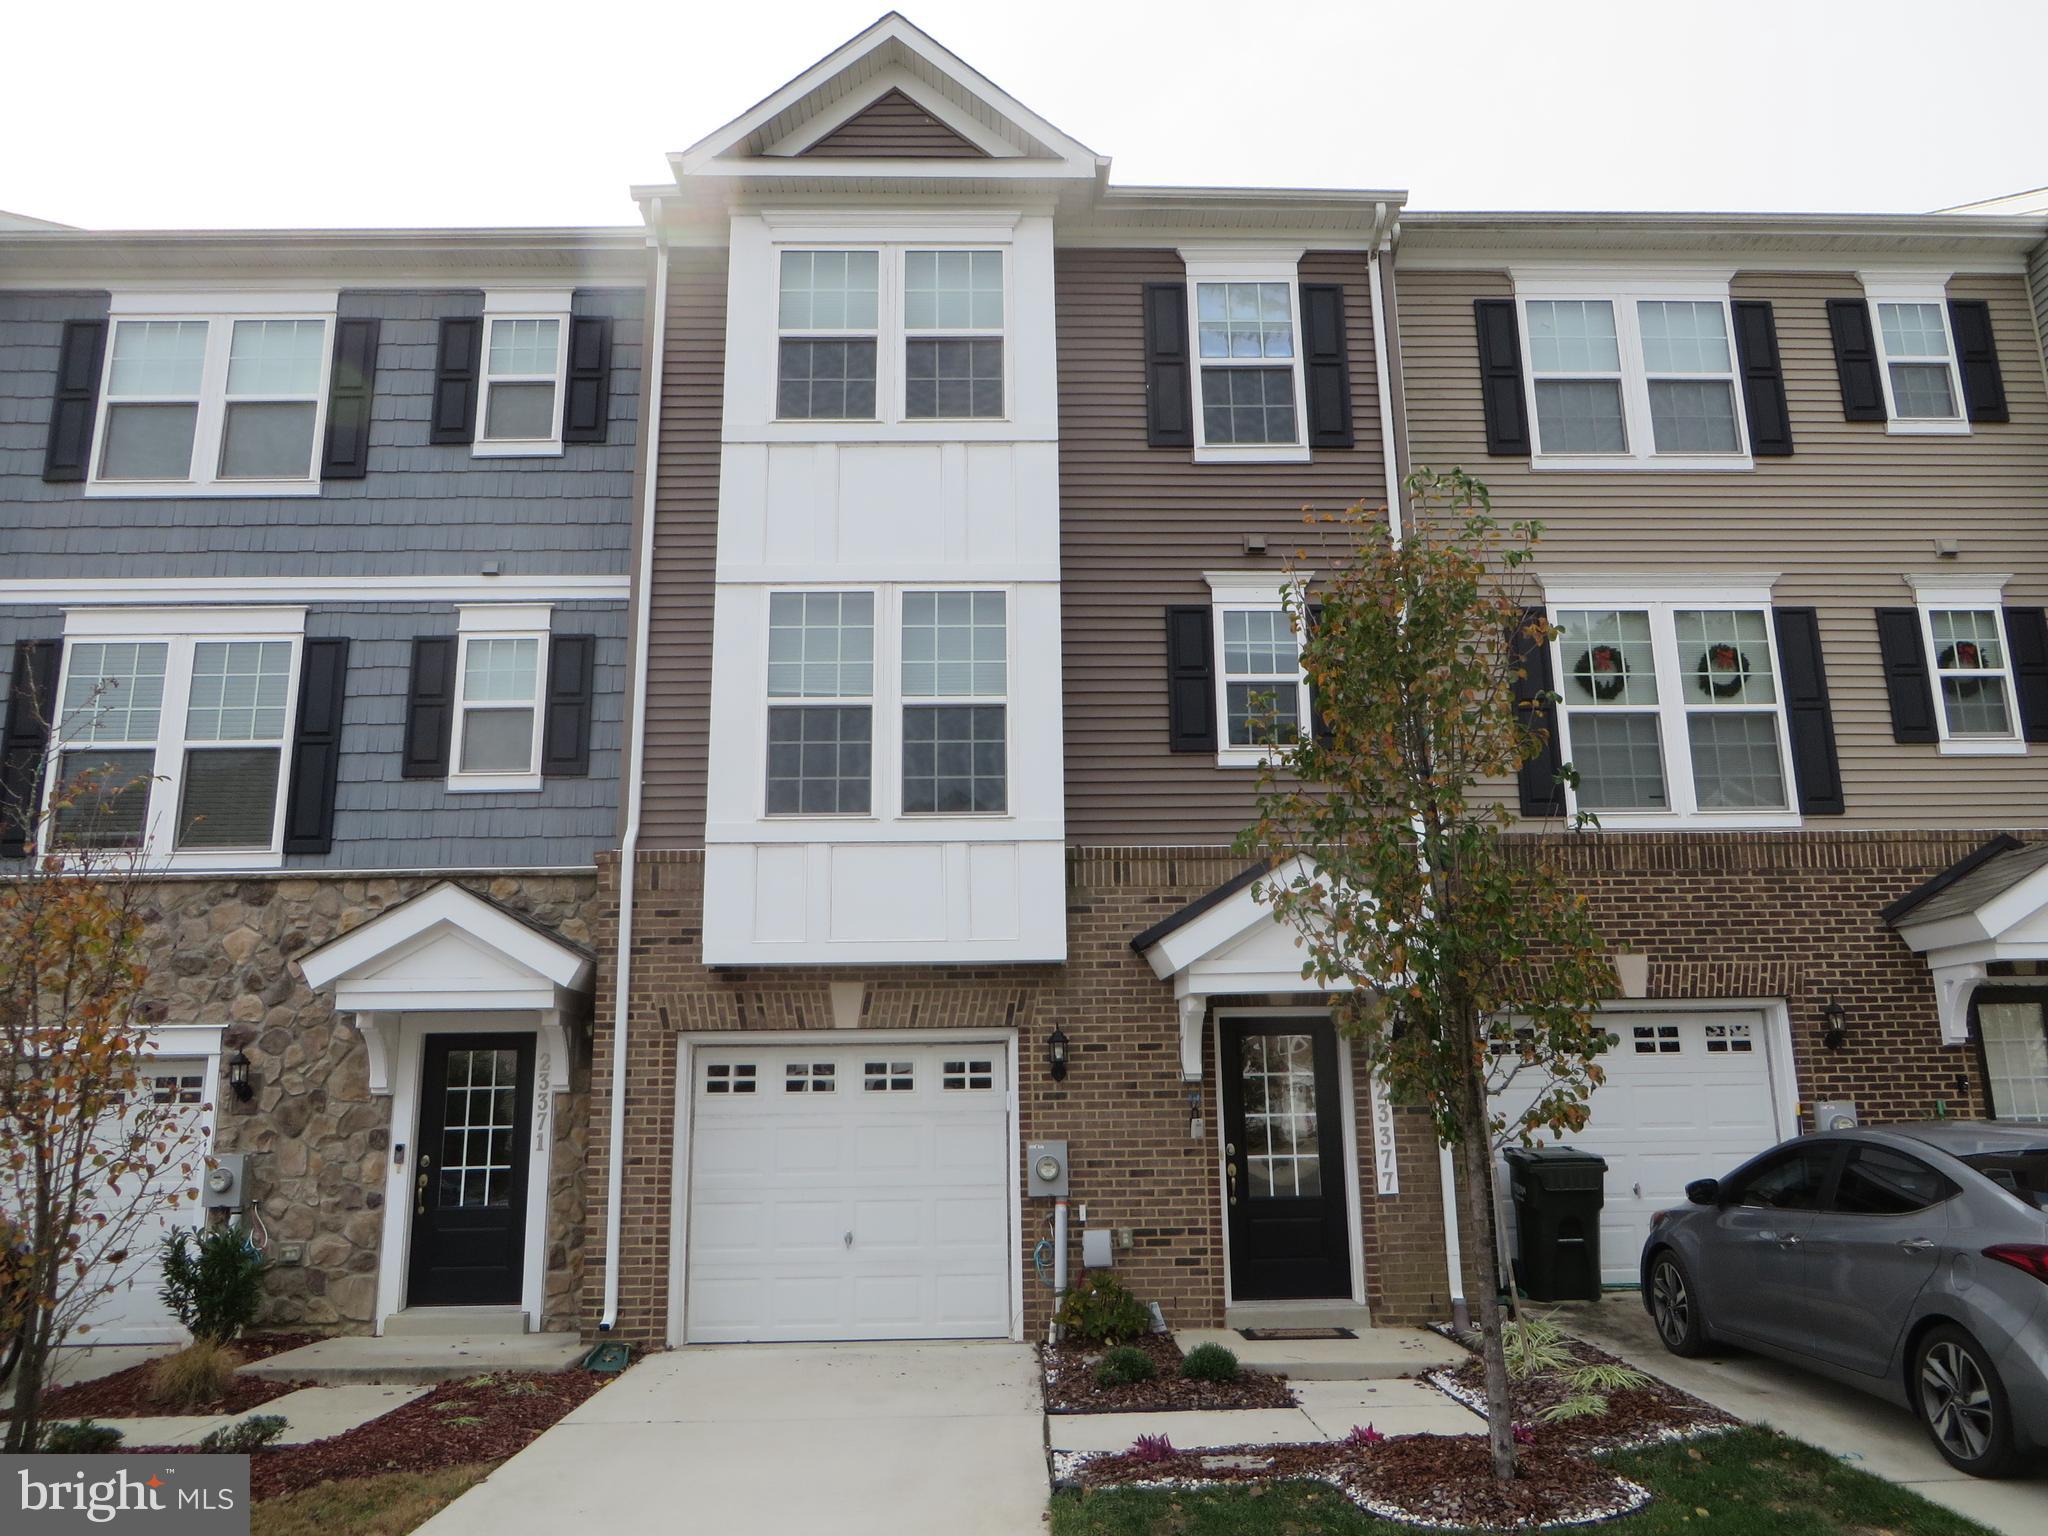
column 314, row 558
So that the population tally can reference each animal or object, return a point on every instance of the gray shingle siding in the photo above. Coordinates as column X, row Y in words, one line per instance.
column 420, row 511
column 383, row 821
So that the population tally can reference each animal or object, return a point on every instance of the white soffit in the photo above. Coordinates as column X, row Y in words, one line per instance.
column 1961, row 946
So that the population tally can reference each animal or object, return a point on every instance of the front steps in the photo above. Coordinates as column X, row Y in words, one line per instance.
column 1375, row 1354
column 423, row 1345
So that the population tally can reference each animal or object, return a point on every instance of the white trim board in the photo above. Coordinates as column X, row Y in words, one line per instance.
column 117, row 591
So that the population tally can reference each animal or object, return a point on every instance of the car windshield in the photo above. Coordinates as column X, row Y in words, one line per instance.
column 2021, row 1173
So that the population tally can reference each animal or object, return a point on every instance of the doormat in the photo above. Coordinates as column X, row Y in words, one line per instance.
column 1295, row 1333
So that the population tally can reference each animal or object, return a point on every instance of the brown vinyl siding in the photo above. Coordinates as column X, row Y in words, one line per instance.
column 893, row 127
column 1842, row 519
column 1139, row 526
column 685, row 549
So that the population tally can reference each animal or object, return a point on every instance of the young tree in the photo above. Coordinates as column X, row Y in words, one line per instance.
column 1456, row 959
column 88, row 1161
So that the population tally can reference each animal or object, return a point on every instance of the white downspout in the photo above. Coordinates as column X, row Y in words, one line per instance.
column 629, row 841
column 1454, row 1250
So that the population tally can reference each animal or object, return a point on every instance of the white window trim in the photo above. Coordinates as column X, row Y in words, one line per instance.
column 1250, row 592
column 1985, row 593
column 891, row 336
column 1624, row 291
column 1263, row 264
column 522, row 304
column 1661, row 599
column 219, row 311
column 887, row 700
column 499, row 621
column 180, row 630
column 1915, row 288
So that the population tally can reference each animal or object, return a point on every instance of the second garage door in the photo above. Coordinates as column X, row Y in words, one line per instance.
column 849, row 1192
column 1687, row 1096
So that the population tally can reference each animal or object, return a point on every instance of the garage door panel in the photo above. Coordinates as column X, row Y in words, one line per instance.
column 879, row 1149
column 969, row 1148
column 976, row 1222
column 801, row 1149
column 886, row 1224
column 730, row 1227
column 808, row 1227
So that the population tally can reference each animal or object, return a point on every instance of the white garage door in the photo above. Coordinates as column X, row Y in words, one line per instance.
column 131, row 1313
column 854, row 1191
column 1687, row 1096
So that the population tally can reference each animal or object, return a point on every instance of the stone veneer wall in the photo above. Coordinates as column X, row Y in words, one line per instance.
column 219, row 951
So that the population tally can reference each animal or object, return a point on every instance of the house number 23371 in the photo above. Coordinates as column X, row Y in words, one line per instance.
column 543, row 1093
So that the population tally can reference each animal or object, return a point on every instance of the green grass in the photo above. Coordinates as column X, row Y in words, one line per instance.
column 1752, row 1482
column 388, row 1505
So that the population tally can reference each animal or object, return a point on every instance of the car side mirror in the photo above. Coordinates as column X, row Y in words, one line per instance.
column 1703, row 1191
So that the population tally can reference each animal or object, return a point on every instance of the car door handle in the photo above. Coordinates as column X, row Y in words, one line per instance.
column 1917, row 1244
column 1789, row 1240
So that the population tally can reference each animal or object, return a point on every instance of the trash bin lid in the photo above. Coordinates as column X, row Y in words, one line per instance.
column 1553, row 1157
column 1563, row 1170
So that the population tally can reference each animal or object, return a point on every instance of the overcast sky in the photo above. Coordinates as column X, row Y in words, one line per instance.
column 221, row 113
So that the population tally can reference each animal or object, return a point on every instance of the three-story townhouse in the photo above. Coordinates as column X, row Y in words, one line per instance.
column 314, row 564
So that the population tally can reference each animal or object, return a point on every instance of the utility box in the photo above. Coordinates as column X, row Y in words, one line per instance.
column 1096, row 1249
column 1834, row 1115
column 1045, row 1165
column 1558, row 1194
column 225, row 1186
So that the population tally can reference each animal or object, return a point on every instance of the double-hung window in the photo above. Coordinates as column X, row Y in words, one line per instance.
column 953, row 335
column 828, row 319
column 500, row 670
column 172, row 746
column 955, row 716
column 1637, row 377
column 1964, row 635
column 1248, row 366
column 526, row 349
column 1261, row 686
column 1673, row 708
column 1922, row 388
column 222, row 403
column 821, row 688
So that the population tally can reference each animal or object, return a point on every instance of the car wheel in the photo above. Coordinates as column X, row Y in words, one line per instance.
column 1675, row 1306
column 1959, row 1397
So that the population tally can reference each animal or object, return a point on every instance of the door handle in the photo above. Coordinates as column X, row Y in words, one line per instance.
column 1789, row 1240
column 1917, row 1244
column 849, row 1239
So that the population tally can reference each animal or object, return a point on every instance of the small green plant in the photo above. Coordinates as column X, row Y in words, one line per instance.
column 213, row 1280
column 1537, row 1347
column 466, row 1420
column 1101, row 1310
column 240, row 1439
column 1210, row 1362
column 85, row 1438
column 452, row 1405
column 198, row 1374
column 1124, row 1366
column 520, row 1389
column 485, row 1380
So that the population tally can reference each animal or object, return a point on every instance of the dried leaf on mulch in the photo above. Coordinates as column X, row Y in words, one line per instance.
column 1070, row 1383
column 1636, row 1416
column 1438, row 1480
column 125, row 1394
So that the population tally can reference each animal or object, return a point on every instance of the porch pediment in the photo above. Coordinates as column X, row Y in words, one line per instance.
column 1987, row 909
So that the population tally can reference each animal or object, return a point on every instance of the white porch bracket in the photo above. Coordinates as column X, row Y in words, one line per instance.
column 1954, row 986
column 1194, row 1013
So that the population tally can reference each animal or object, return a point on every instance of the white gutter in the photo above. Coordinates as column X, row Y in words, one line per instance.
column 629, row 841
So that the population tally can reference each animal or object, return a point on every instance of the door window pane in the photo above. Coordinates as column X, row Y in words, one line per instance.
column 1792, row 1181
column 2015, row 1059
column 480, row 1114
column 1283, row 1158
column 819, row 760
column 955, row 759
column 821, row 645
column 1877, row 1181
column 229, row 798
column 148, row 442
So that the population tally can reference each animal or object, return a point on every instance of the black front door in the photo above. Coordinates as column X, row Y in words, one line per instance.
column 1283, row 1135
column 469, row 1177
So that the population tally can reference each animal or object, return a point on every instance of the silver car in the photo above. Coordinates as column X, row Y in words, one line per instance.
column 1908, row 1260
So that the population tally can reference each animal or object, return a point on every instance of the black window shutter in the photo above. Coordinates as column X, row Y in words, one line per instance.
column 316, row 748
column 67, row 454
column 1977, row 355
column 1905, row 675
column 1319, row 723
column 1540, row 791
column 572, row 680
column 457, row 365
column 1500, row 378
column 1856, row 360
column 31, row 707
column 1809, row 717
column 1169, row 408
column 1190, row 680
column 1327, row 365
column 1763, row 379
column 2026, row 637
column 349, row 391
column 429, row 707
column 587, row 405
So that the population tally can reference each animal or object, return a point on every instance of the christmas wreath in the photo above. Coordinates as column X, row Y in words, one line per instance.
column 1602, row 671
column 1723, row 669
column 1963, row 656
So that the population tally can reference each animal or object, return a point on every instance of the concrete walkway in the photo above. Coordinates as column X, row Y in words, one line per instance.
column 854, row 1439
column 1864, row 1431
column 1327, row 1411
column 311, row 1413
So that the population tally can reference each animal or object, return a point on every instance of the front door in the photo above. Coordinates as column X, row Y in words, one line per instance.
column 469, row 1178
column 1283, row 1153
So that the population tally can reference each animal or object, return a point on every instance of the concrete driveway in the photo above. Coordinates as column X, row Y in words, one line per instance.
column 851, row 1439
column 1863, row 1430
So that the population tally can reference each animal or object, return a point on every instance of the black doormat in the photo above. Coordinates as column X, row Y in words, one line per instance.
column 1296, row 1333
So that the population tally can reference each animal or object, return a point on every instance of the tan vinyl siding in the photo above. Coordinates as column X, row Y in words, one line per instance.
column 893, row 126
column 1139, row 526
column 685, row 548
column 2037, row 284
column 1843, row 519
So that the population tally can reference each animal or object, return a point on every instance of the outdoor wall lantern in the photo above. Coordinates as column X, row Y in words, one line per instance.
column 1056, row 1054
column 238, row 1076
column 1834, row 1032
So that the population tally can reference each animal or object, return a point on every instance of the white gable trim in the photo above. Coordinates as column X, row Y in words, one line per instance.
column 896, row 78
column 1960, row 949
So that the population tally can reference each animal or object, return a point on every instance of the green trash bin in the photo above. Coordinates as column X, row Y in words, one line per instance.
column 1558, row 1195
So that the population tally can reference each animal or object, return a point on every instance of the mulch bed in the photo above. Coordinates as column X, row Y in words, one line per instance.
column 1430, row 1480
column 1070, row 1383
column 125, row 1394
column 485, row 1418
column 1636, row 1416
